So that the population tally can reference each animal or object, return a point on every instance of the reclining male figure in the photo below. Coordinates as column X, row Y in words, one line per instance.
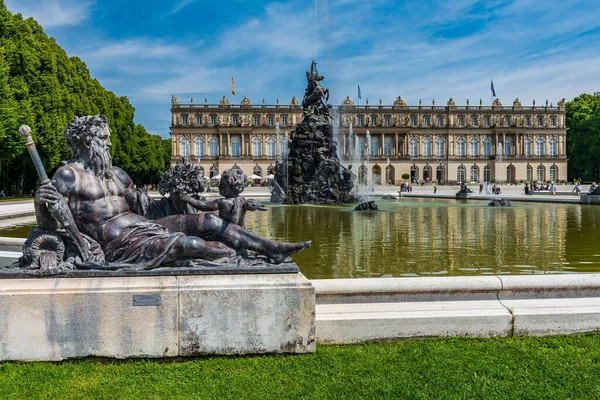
column 95, row 192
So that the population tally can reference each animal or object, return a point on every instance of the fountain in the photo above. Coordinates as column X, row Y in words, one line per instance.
column 311, row 173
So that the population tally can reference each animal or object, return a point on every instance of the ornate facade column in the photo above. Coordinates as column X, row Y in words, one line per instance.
column 394, row 150
column 229, row 144
column 382, row 146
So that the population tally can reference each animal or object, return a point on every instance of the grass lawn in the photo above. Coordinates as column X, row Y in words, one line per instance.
column 559, row 367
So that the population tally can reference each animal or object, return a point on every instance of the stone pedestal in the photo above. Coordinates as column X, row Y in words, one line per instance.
column 462, row 196
column 155, row 316
column 589, row 199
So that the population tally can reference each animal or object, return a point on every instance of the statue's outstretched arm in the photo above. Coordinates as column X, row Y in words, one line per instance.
column 199, row 204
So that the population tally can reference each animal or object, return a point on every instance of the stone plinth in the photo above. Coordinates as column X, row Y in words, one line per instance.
column 462, row 196
column 155, row 316
column 589, row 199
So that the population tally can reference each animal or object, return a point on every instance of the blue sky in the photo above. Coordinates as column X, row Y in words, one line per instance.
column 423, row 49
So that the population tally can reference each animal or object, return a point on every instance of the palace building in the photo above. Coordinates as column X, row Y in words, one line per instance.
column 448, row 144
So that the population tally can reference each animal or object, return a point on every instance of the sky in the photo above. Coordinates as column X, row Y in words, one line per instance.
column 149, row 50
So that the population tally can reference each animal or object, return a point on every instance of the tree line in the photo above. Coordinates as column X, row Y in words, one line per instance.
column 583, row 137
column 41, row 86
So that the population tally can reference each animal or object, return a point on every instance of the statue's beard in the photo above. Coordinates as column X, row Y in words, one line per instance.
column 100, row 161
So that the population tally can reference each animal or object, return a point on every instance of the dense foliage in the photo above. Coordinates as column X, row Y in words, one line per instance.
column 583, row 137
column 44, row 88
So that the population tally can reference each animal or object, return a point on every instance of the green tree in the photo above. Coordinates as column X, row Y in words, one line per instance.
column 583, row 138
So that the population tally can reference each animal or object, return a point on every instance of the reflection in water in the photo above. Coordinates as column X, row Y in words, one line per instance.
column 411, row 237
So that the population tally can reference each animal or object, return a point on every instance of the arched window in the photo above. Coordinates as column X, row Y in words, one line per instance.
column 390, row 174
column 374, row 148
column 361, row 146
column 257, row 170
column 553, row 173
column 507, row 147
column 553, row 149
column 387, row 146
column 487, row 174
column 527, row 147
column 509, row 173
column 199, row 147
column 539, row 147
column 540, row 173
column 270, row 170
column 257, row 147
column 414, row 173
column 413, row 147
column 439, row 147
column 427, row 147
column 487, row 149
column 474, row 147
column 474, row 174
column 235, row 147
column 270, row 147
column 185, row 148
column 214, row 171
column 213, row 145
column 460, row 174
column 427, row 173
column 461, row 147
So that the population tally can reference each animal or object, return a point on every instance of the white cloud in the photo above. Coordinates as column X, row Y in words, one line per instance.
column 52, row 13
column 179, row 6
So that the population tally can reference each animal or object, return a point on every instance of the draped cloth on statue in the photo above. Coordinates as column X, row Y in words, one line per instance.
column 143, row 243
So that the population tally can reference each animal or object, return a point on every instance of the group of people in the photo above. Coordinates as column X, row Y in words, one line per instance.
column 489, row 189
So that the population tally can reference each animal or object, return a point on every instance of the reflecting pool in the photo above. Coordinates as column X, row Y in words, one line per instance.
column 424, row 237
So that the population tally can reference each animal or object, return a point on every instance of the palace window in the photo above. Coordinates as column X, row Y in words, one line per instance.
column 539, row 147
column 413, row 149
column 487, row 174
column 507, row 147
column 553, row 148
column 413, row 121
column 198, row 119
column 214, row 171
column 440, row 120
column 427, row 147
column 360, row 120
column 257, row 170
column 507, row 121
column 284, row 119
column 527, row 147
column 185, row 148
column 257, row 120
column 553, row 121
column 200, row 147
column 474, row 121
column 474, row 174
column 488, row 121
column 257, row 147
column 540, row 121
column 184, row 119
column 388, row 120
column 213, row 145
column 487, row 147
column 461, row 147
column 373, row 120
column 439, row 147
column 374, row 146
column 527, row 120
column 270, row 120
column 427, row 120
column 213, row 119
column 460, row 174
column 474, row 147
column 235, row 147
column 270, row 147
column 461, row 120
column 553, row 173
column 234, row 120
column 361, row 146
column 283, row 143
column 387, row 146
column 529, row 173
column 540, row 173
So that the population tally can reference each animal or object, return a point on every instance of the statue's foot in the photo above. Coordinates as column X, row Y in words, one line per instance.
column 287, row 249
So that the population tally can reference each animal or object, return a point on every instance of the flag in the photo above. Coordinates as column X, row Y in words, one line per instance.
column 492, row 87
column 232, row 88
column 359, row 97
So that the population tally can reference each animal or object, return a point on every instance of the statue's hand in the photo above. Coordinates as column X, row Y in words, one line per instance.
column 47, row 195
column 253, row 205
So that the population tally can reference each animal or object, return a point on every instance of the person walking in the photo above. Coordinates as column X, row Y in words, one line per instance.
column 577, row 189
column 480, row 188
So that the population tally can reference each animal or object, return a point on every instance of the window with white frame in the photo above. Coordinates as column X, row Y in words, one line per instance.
column 235, row 147
column 461, row 174
column 553, row 121
column 361, row 146
column 427, row 120
column 474, row 121
column 427, row 147
column 540, row 173
column 198, row 119
column 474, row 174
column 553, row 148
column 529, row 173
column 257, row 147
column 461, row 147
column 527, row 147
column 540, row 120
column 185, row 148
column 257, row 170
column 373, row 120
column 508, row 147
column 284, row 119
column 388, row 120
column 257, row 120
column 474, row 147
column 270, row 147
column 553, row 173
column 374, row 146
column 440, row 120
column 461, row 120
column 413, row 148
column 361, row 120
column 184, row 119
column 213, row 119
column 283, row 145
column 200, row 147
column 487, row 174
column 539, row 147
column 271, row 120
column 234, row 120
column 488, row 121
column 213, row 145
column 507, row 121
column 387, row 146
column 439, row 147
column 413, row 120
column 487, row 147
column 509, row 174
column 527, row 120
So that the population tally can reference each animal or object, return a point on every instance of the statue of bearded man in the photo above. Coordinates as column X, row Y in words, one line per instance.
column 103, row 201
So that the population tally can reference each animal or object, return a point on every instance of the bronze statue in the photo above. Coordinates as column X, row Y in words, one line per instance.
column 105, row 205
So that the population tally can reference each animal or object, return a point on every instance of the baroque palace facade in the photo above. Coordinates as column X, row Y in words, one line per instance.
column 447, row 144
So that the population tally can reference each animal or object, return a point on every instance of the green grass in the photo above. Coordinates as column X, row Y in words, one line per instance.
column 10, row 198
column 560, row 367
